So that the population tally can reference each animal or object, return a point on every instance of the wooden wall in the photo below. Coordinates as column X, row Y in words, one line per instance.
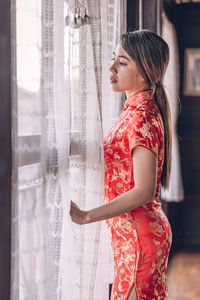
column 185, row 216
column 149, row 14
column 5, row 149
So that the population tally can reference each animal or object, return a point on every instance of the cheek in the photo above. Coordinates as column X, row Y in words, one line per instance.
column 129, row 78
column 125, row 74
column 126, row 79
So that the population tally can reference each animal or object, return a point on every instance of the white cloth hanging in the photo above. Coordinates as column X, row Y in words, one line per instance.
column 57, row 103
column 171, row 82
column 115, row 17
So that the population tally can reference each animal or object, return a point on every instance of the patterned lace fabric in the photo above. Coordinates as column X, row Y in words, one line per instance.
column 140, row 239
column 60, row 91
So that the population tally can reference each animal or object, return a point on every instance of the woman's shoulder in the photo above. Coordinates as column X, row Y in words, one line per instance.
column 147, row 114
column 146, row 109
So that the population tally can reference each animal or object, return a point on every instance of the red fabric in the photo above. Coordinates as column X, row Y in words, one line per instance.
column 140, row 239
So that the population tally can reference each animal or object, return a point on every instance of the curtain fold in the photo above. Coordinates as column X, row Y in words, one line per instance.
column 171, row 81
column 60, row 92
column 90, row 100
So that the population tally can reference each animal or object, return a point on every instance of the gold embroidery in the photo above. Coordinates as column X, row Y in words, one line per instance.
column 140, row 239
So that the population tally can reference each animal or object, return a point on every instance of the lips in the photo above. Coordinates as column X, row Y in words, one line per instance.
column 112, row 80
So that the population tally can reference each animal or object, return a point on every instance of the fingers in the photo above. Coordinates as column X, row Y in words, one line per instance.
column 75, row 213
column 73, row 204
column 73, row 209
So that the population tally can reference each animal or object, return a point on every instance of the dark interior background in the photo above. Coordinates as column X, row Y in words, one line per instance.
column 184, row 216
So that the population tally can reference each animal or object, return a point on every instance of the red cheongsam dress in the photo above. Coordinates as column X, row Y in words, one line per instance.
column 140, row 239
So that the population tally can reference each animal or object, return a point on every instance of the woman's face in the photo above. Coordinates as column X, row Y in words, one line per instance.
column 125, row 75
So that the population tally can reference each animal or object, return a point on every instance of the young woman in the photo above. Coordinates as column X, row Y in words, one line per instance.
column 137, row 152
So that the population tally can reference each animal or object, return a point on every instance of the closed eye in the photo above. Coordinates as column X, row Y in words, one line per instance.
column 121, row 63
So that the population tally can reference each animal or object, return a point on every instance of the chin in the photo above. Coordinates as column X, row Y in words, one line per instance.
column 115, row 88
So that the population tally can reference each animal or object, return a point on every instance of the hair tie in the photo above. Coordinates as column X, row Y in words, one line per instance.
column 155, row 85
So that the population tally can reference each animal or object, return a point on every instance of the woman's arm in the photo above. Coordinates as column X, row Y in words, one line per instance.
column 145, row 177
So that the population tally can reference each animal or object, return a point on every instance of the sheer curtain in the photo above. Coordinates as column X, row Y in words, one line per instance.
column 60, row 93
column 171, row 81
column 93, row 109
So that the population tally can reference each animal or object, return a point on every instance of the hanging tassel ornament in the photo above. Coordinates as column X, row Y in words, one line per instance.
column 78, row 17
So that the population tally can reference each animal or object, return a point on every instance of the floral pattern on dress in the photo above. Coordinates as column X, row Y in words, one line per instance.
column 140, row 239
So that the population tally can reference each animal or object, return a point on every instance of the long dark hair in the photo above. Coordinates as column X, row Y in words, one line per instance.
column 151, row 54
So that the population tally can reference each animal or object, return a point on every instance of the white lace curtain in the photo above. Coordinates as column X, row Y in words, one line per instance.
column 61, row 104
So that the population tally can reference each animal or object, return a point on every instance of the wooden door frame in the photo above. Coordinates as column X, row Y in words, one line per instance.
column 151, row 13
column 5, row 149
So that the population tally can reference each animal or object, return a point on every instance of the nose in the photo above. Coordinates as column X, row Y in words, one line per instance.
column 113, row 68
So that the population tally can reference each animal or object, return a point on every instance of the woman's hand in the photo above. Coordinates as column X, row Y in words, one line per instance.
column 78, row 216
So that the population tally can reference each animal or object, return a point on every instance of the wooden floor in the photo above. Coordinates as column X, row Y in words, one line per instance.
column 184, row 276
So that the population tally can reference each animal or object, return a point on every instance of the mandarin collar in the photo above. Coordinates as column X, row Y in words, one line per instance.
column 138, row 98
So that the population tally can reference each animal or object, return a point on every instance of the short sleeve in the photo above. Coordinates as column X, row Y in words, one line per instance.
column 143, row 130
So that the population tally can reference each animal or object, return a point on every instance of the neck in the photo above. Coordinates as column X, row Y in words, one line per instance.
column 133, row 92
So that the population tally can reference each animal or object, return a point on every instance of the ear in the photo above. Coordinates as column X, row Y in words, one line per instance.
column 141, row 77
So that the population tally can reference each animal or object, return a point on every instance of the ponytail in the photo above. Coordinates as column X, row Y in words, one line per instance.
column 163, row 105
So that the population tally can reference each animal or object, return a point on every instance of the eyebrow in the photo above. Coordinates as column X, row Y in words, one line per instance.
column 122, row 56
